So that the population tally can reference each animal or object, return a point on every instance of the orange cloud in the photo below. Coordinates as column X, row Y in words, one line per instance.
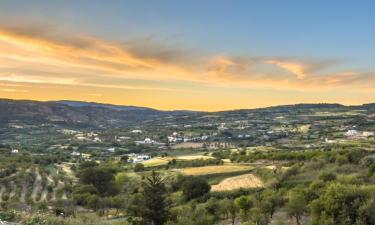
column 47, row 56
column 297, row 69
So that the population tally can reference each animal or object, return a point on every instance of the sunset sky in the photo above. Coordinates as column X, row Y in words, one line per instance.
column 198, row 55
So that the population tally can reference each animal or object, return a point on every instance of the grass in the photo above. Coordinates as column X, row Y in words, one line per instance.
column 158, row 161
column 207, row 170
column 304, row 128
column 193, row 157
column 233, row 183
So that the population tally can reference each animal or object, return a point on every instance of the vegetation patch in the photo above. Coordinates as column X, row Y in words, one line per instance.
column 206, row 170
column 238, row 182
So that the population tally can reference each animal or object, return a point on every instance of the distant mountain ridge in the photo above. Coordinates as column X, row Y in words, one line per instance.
column 95, row 104
column 77, row 113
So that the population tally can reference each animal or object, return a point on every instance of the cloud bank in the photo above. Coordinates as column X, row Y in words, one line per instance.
column 46, row 55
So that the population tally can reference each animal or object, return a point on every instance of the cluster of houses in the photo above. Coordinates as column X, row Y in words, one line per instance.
column 81, row 155
column 357, row 134
column 138, row 158
column 149, row 141
column 90, row 136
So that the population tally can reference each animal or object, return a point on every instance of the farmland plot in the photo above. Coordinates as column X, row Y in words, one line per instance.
column 237, row 182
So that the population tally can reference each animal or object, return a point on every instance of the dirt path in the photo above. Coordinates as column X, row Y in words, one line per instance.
column 13, row 190
column 60, row 185
column 37, row 185
column 45, row 191
column 2, row 190
column 23, row 192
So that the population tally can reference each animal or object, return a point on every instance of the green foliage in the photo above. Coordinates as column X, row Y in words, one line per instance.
column 37, row 220
column 8, row 215
column 139, row 167
column 194, row 163
column 296, row 205
column 101, row 178
column 156, row 205
column 192, row 215
column 344, row 204
column 244, row 203
column 326, row 176
column 195, row 187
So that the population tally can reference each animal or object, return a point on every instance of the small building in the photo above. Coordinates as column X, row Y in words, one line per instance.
column 74, row 153
column 367, row 134
column 136, row 131
column 351, row 133
column 111, row 149
column 14, row 151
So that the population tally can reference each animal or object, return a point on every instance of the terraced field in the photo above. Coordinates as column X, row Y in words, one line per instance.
column 207, row 170
column 237, row 182
column 159, row 161
column 32, row 185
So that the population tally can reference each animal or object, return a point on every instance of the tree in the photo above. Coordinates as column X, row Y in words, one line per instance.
column 192, row 214
column 326, row 177
column 233, row 211
column 124, row 158
column 139, row 167
column 296, row 205
column 212, row 206
column 194, row 187
column 244, row 203
column 258, row 217
column 344, row 204
column 102, row 179
column 270, row 201
column 156, row 205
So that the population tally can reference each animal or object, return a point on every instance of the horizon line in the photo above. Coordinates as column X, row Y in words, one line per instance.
column 160, row 109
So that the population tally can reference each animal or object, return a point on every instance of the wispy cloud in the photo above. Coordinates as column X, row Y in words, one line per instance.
column 13, row 90
column 296, row 68
column 45, row 55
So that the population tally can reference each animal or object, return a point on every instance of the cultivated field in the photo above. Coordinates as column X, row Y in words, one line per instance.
column 158, row 161
column 193, row 157
column 188, row 145
column 237, row 182
column 206, row 170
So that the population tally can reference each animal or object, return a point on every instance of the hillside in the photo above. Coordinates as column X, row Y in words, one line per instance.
column 77, row 113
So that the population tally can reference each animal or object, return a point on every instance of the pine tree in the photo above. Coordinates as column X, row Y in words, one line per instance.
column 156, row 205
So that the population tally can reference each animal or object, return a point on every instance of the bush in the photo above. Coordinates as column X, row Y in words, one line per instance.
column 8, row 216
column 139, row 167
column 194, row 187
column 325, row 176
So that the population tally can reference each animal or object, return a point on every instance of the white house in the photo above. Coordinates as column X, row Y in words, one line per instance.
column 74, row 153
column 351, row 133
column 111, row 149
column 329, row 141
column 148, row 141
column 143, row 157
column 14, row 151
column 368, row 134
column 136, row 131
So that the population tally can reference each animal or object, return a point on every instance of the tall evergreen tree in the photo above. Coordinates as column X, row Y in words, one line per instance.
column 156, row 205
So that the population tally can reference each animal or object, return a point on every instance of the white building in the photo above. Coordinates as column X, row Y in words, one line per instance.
column 14, row 151
column 368, row 134
column 136, row 131
column 148, row 141
column 74, row 153
column 112, row 149
column 351, row 133
column 97, row 139
column 330, row 141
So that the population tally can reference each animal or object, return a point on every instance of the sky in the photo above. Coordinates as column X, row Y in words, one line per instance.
column 197, row 55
